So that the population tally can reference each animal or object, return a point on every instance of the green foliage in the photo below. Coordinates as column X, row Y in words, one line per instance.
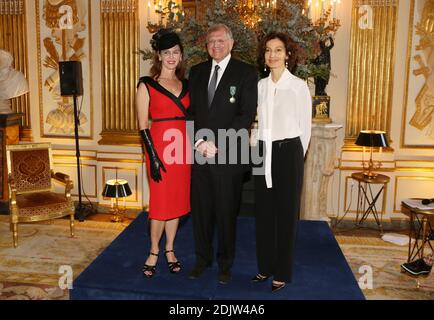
column 248, row 28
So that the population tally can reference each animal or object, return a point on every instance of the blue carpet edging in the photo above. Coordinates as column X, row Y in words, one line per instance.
column 320, row 270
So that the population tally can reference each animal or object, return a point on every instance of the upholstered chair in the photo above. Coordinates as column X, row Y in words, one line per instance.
column 31, row 192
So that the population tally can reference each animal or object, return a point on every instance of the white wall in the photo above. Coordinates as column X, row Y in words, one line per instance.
column 411, row 170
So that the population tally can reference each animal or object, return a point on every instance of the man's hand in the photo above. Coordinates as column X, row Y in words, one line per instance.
column 207, row 149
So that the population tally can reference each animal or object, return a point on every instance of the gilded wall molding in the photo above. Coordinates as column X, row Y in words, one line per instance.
column 418, row 108
column 399, row 178
column 12, row 7
column 355, row 186
column 74, row 165
column 118, row 6
column 120, row 71
column 13, row 38
column 376, row 3
column 399, row 175
column 57, row 42
column 371, row 68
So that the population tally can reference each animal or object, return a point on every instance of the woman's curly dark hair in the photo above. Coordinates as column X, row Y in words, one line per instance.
column 291, row 49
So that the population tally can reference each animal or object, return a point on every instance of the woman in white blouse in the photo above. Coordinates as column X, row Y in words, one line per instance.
column 284, row 126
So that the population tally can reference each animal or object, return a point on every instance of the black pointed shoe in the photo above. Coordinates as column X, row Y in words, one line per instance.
column 197, row 271
column 417, row 267
column 259, row 278
column 275, row 287
column 224, row 277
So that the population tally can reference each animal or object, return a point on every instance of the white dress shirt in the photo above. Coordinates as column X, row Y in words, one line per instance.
column 284, row 111
column 222, row 64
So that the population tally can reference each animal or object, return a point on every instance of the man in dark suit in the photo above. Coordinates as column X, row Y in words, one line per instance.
column 223, row 93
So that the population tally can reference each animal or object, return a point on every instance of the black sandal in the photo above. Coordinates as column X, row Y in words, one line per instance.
column 173, row 265
column 150, row 269
column 259, row 278
column 277, row 286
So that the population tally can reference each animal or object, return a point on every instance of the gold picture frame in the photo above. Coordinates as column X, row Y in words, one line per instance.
column 418, row 116
column 63, row 34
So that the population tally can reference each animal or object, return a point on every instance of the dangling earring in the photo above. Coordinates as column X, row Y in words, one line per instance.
column 265, row 67
column 286, row 64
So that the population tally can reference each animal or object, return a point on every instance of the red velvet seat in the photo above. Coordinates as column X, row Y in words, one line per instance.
column 31, row 190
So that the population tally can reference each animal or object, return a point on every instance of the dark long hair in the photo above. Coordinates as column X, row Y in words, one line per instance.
column 157, row 65
column 291, row 50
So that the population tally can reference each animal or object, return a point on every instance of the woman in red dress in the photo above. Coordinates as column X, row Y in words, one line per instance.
column 163, row 98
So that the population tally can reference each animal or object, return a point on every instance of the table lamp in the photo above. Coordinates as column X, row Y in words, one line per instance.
column 371, row 139
column 115, row 189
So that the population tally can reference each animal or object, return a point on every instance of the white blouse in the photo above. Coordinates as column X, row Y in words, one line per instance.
column 284, row 111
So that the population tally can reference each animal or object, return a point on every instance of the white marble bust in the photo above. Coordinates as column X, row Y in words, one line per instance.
column 12, row 82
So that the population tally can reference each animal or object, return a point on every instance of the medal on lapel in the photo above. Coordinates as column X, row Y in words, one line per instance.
column 233, row 90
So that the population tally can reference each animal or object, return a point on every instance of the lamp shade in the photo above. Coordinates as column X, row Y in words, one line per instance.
column 372, row 138
column 116, row 188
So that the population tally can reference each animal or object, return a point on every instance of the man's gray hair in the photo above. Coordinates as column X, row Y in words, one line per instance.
column 220, row 26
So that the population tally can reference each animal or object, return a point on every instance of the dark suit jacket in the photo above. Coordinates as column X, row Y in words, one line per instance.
column 223, row 114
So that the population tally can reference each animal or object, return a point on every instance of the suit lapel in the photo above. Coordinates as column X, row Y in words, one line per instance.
column 223, row 84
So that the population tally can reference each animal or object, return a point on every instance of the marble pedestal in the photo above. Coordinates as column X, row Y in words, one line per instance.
column 318, row 168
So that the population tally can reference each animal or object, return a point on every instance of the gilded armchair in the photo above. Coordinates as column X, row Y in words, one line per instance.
column 32, row 197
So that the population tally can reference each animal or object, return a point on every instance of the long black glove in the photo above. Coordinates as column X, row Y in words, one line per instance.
column 155, row 163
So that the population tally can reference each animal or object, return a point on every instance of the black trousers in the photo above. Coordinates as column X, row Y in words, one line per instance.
column 215, row 202
column 277, row 210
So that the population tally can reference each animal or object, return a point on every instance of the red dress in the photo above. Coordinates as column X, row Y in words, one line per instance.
column 169, row 198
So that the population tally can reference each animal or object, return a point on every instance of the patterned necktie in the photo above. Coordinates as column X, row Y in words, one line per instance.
column 212, row 85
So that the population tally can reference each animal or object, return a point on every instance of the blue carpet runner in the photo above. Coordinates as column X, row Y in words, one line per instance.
column 320, row 271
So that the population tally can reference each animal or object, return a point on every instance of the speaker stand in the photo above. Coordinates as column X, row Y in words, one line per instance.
column 81, row 211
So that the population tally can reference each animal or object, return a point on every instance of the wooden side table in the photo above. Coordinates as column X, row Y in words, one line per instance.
column 421, row 228
column 365, row 196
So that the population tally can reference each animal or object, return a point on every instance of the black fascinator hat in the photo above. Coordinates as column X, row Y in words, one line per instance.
column 165, row 39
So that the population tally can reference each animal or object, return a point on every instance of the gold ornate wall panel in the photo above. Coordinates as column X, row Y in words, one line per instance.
column 417, row 129
column 13, row 38
column 63, row 32
column 120, row 71
column 372, row 59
